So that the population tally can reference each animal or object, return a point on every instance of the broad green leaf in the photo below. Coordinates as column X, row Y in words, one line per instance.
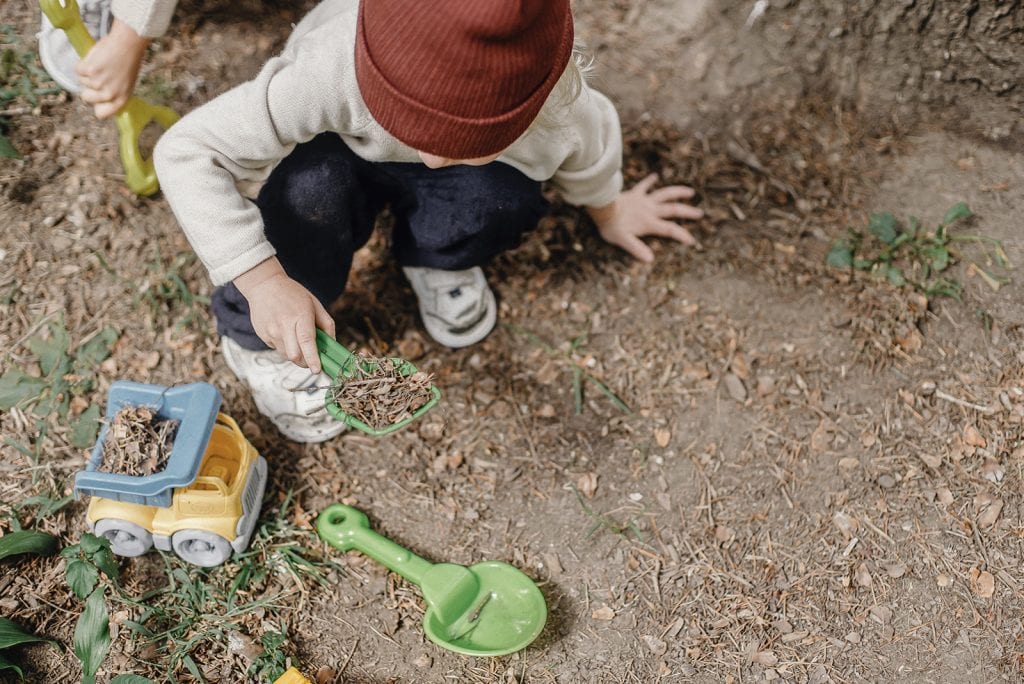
column 96, row 350
column 27, row 541
column 52, row 352
column 895, row 276
column 884, row 227
column 12, row 634
column 7, row 149
column 939, row 256
column 863, row 264
column 16, row 388
column 6, row 664
column 85, row 428
column 92, row 635
column 956, row 212
column 90, row 543
column 103, row 558
column 130, row 679
column 82, row 577
column 840, row 256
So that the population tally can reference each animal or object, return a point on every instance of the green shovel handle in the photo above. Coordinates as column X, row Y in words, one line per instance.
column 346, row 528
column 132, row 118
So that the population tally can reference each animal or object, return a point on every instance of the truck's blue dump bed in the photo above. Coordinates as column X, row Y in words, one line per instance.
column 194, row 405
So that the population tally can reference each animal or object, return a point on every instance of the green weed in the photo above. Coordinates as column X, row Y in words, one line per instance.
column 65, row 373
column 603, row 522
column 911, row 256
column 580, row 373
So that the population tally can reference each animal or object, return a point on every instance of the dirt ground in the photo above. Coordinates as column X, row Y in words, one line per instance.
column 819, row 476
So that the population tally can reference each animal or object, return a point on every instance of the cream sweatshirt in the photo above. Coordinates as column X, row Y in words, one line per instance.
column 237, row 138
column 148, row 18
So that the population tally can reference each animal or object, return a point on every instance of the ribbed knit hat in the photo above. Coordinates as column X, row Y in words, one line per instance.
column 460, row 78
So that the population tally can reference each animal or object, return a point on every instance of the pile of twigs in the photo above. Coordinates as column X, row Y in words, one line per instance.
column 379, row 394
column 138, row 442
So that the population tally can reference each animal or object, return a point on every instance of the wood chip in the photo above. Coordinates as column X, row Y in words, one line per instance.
column 983, row 584
column 603, row 613
column 737, row 390
column 138, row 442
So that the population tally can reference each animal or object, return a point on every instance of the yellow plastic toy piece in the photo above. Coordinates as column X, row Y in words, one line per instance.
column 292, row 676
column 207, row 520
column 136, row 114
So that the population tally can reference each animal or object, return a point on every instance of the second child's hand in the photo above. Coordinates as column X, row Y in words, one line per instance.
column 643, row 212
column 285, row 315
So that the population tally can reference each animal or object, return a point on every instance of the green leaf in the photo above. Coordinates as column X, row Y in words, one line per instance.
column 47, row 505
column 895, row 276
column 12, row 634
column 85, row 428
column 82, row 577
column 7, row 149
column 17, row 388
column 130, row 679
column 27, row 541
column 92, row 636
column 6, row 664
column 939, row 256
column 884, row 227
column 840, row 256
column 52, row 352
column 956, row 212
column 96, row 350
column 863, row 264
column 104, row 559
column 90, row 543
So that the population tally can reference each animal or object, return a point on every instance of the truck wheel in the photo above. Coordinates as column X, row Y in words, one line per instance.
column 126, row 538
column 201, row 548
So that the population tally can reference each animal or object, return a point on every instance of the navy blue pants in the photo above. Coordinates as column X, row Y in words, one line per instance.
column 320, row 204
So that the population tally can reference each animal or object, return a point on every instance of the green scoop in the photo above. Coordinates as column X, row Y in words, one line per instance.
column 489, row 609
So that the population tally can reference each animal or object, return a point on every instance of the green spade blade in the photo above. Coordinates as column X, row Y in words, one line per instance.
column 340, row 363
column 489, row 609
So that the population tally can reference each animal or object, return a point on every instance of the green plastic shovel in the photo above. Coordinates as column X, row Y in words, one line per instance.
column 340, row 363
column 136, row 114
column 489, row 609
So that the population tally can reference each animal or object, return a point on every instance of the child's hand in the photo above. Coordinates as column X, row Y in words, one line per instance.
column 284, row 314
column 638, row 213
column 108, row 72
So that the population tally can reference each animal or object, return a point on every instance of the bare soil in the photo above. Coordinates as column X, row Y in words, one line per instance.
column 819, row 475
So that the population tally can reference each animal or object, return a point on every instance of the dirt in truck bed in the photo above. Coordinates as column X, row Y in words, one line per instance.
column 138, row 442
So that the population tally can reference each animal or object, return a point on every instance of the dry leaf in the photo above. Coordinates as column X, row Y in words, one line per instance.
column 982, row 583
column 988, row 509
column 739, row 366
column 973, row 437
column 587, row 484
column 737, row 390
column 603, row 613
column 933, row 461
column 848, row 525
column 910, row 340
column 662, row 437
column 766, row 658
column 863, row 576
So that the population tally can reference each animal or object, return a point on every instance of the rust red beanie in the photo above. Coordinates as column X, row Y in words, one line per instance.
column 460, row 78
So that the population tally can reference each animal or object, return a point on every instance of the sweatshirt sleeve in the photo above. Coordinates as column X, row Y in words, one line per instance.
column 239, row 136
column 591, row 175
column 148, row 18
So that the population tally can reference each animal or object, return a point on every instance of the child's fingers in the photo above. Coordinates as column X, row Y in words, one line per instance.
column 672, row 193
column 646, row 184
column 305, row 336
column 636, row 247
column 324, row 320
column 673, row 231
column 679, row 211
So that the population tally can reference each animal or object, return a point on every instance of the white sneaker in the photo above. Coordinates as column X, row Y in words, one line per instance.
column 55, row 52
column 457, row 307
column 287, row 394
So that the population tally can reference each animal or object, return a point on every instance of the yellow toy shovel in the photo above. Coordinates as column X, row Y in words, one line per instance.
column 133, row 117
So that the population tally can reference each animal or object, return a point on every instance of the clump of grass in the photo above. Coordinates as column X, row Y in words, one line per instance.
column 908, row 255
